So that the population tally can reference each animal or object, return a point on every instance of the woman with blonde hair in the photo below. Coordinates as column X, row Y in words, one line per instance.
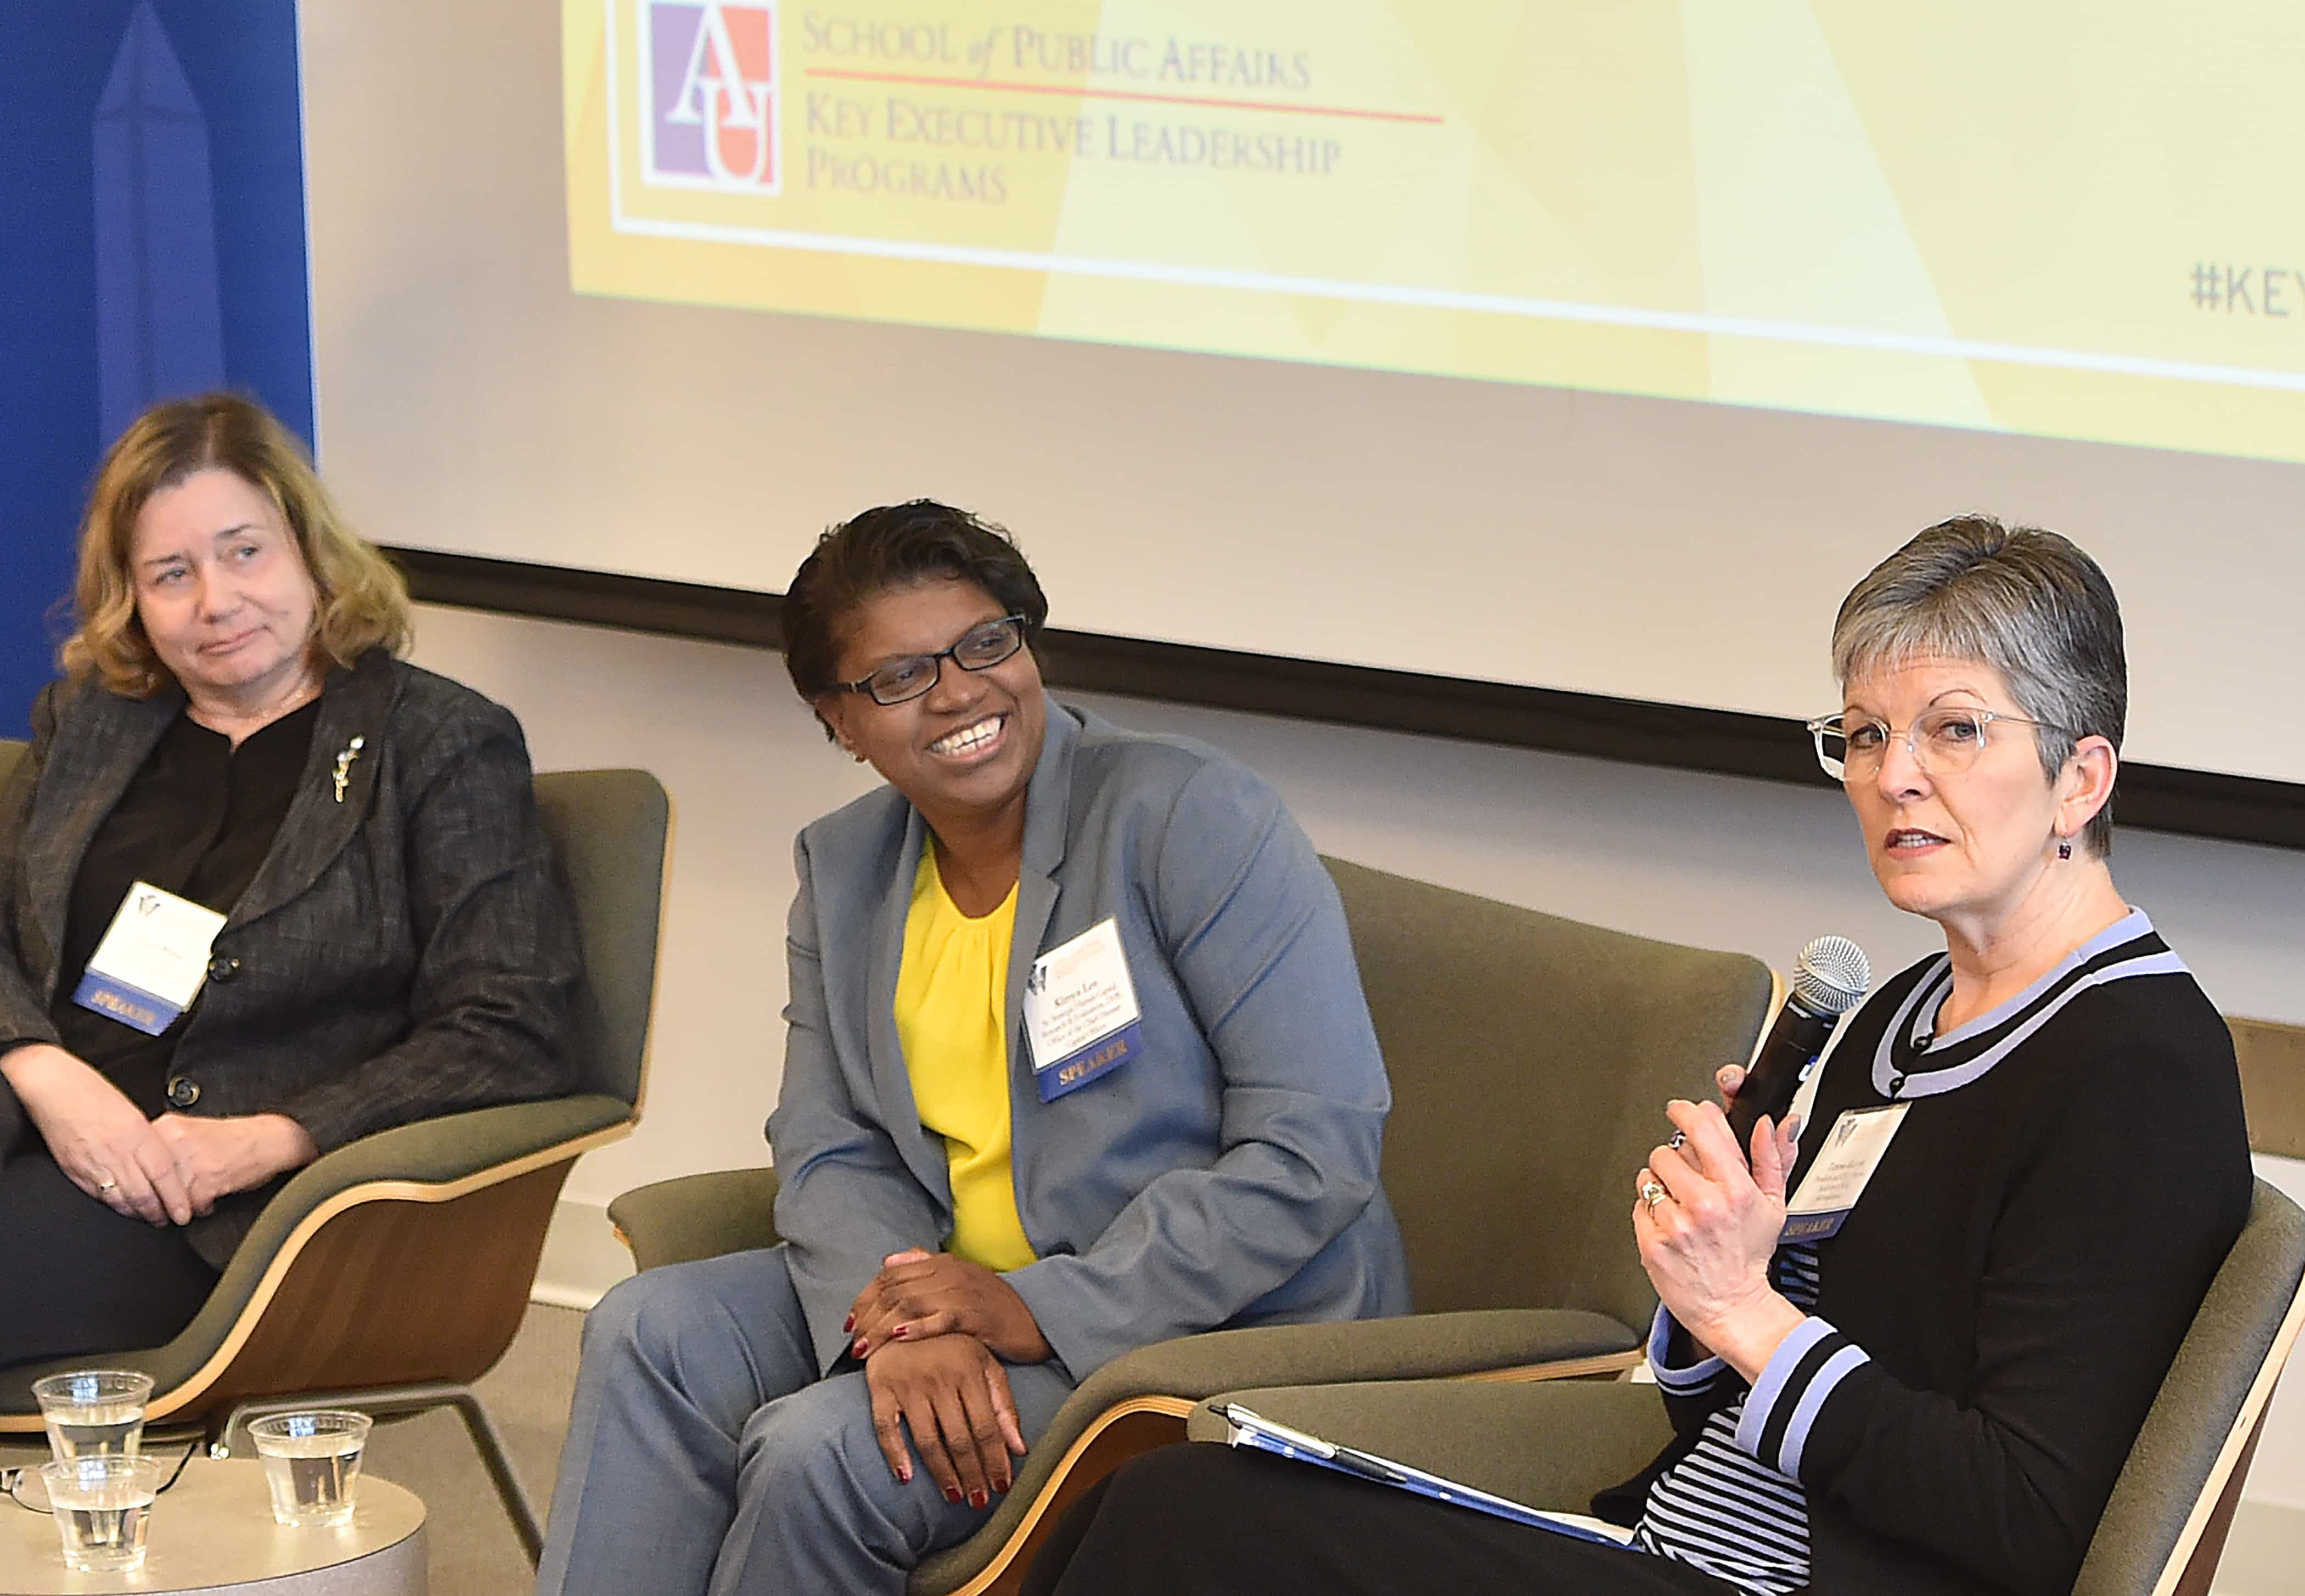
column 264, row 886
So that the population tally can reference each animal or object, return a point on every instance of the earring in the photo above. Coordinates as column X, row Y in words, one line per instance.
column 2064, row 849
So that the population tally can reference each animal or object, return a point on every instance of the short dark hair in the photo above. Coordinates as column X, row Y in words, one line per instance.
column 896, row 546
column 2026, row 601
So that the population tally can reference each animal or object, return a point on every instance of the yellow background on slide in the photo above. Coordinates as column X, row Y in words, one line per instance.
column 2071, row 219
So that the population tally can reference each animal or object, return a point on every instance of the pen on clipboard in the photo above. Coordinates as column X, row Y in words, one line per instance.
column 1344, row 1457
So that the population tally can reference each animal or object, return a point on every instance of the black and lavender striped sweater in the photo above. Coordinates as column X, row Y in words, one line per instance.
column 1990, row 1324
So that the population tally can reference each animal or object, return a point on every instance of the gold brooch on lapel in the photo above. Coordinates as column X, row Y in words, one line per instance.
column 344, row 764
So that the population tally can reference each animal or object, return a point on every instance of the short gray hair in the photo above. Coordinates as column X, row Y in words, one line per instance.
column 2025, row 601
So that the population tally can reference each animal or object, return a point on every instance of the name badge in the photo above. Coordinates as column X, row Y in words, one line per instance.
column 151, row 965
column 1081, row 1013
column 1838, row 1174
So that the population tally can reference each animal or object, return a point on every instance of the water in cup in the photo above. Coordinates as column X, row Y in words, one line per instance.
column 312, row 1479
column 103, row 1508
column 94, row 1411
column 311, row 1463
column 106, row 1537
column 103, row 1430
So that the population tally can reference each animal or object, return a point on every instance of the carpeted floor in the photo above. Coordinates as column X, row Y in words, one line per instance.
column 471, row 1548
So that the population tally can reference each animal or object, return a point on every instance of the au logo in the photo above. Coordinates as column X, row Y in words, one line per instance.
column 709, row 95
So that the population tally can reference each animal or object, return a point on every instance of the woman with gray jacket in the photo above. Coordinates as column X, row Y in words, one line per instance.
column 1075, row 1060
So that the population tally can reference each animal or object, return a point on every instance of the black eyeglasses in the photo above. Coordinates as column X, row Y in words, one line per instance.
column 980, row 648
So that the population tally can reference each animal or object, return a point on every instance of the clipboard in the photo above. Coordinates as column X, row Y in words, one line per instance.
column 1243, row 1426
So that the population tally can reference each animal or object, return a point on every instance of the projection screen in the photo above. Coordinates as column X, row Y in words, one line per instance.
column 1593, row 350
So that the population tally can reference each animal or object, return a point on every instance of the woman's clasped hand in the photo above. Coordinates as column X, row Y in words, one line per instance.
column 918, row 1294
column 950, row 1394
column 167, row 1170
column 932, row 1330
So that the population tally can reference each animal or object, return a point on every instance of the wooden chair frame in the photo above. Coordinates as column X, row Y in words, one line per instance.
column 338, row 1319
column 349, row 1311
column 1142, row 1423
column 2192, row 1565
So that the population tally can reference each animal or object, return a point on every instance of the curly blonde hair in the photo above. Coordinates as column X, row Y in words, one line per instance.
column 363, row 600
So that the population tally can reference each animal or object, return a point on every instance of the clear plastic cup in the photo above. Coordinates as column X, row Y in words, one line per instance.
column 312, row 1462
column 103, row 1507
column 94, row 1412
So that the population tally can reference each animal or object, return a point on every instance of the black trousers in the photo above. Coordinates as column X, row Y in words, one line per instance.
column 1199, row 1519
column 77, row 1280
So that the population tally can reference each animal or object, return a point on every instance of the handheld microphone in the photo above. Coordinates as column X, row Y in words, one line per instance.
column 1829, row 978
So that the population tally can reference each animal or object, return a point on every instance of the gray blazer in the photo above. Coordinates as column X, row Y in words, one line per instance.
column 405, row 953
column 1226, row 1176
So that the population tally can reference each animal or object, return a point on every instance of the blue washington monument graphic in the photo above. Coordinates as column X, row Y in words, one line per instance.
column 151, row 245
column 158, row 315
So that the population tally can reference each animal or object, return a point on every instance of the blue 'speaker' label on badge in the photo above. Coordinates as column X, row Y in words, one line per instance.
column 150, row 962
column 1839, row 1174
column 1098, row 1059
column 1811, row 1227
column 115, row 1000
column 1080, row 1011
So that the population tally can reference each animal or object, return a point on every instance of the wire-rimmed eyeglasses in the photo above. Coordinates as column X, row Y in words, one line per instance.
column 980, row 648
column 1942, row 742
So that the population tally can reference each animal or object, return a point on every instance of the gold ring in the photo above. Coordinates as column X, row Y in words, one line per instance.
column 1653, row 1192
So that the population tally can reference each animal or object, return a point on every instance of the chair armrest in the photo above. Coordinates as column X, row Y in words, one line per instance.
column 698, row 1215
column 440, row 1151
column 1549, row 1445
column 1483, row 1342
column 427, row 1160
column 452, row 1146
column 1169, row 1376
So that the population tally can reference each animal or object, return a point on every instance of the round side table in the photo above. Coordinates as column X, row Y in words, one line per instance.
column 213, row 1531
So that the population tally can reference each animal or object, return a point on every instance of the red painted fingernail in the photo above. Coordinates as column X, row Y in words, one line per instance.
column 952, row 1496
column 904, row 1475
column 898, row 1333
column 977, row 1498
column 857, row 1350
column 1001, row 1486
column 849, row 1324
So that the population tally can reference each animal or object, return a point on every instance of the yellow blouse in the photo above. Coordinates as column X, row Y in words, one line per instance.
column 952, row 1003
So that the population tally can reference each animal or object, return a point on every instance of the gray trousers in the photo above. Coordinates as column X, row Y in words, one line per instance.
column 706, row 1454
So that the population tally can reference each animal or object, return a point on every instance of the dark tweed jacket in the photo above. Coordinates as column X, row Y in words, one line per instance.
column 405, row 953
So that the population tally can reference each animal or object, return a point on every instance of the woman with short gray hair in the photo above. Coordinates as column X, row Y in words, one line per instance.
column 1930, row 1385
column 2026, row 603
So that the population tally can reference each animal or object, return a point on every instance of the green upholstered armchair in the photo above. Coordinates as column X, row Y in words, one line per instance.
column 391, row 1273
column 1553, row 1445
column 1531, row 1057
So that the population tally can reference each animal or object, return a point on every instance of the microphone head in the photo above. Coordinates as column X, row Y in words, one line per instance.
column 1832, row 976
